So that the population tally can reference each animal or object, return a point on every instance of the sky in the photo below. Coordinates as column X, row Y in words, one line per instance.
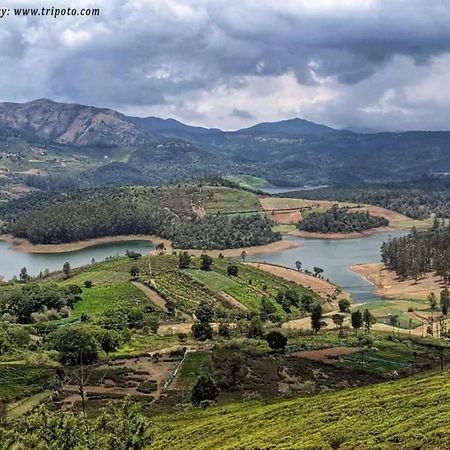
column 360, row 64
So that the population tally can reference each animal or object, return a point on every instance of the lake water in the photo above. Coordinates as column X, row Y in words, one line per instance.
column 11, row 261
column 334, row 256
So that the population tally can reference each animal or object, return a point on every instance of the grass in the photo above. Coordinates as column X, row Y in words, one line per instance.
column 20, row 380
column 383, row 309
column 18, row 409
column 212, row 280
column 98, row 299
column 248, row 181
column 406, row 414
column 225, row 200
column 191, row 368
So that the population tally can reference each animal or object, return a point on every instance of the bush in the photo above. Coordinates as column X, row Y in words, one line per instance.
column 204, row 389
column 233, row 270
column 276, row 340
column 202, row 331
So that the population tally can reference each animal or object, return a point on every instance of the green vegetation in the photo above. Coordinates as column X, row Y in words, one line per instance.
column 376, row 417
column 23, row 380
column 192, row 367
column 419, row 253
column 340, row 220
column 417, row 199
column 98, row 299
column 175, row 212
column 248, row 181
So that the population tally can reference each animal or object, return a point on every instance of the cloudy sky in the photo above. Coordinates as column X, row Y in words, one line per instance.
column 366, row 64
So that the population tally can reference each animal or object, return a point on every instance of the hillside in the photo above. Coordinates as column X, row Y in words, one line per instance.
column 45, row 144
column 190, row 215
column 71, row 124
column 402, row 415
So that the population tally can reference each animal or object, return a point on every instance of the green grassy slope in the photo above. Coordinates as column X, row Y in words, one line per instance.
column 407, row 414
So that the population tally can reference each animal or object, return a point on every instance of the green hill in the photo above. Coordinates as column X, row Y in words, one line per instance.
column 406, row 414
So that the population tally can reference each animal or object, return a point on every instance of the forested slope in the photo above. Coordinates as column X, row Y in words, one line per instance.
column 176, row 212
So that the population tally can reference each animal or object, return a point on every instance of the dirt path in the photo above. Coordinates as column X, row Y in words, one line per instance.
column 232, row 301
column 321, row 287
column 153, row 296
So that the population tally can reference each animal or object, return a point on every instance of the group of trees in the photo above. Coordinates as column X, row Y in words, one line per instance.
column 74, row 216
column 120, row 426
column 340, row 220
column 38, row 302
column 419, row 253
column 417, row 199
column 358, row 319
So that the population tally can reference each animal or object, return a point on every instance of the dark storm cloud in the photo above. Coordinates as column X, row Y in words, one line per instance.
column 149, row 53
column 241, row 114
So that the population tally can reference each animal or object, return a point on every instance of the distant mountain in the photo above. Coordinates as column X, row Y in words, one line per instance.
column 291, row 127
column 173, row 128
column 71, row 124
column 102, row 146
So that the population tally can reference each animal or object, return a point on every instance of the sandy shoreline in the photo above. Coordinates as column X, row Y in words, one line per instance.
column 388, row 285
column 323, row 288
column 372, row 231
column 22, row 245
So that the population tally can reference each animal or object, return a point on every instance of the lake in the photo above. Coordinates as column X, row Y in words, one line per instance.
column 11, row 261
column 334, row 256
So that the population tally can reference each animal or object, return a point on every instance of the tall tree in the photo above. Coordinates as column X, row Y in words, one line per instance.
column 357, row 320
column 316, row 318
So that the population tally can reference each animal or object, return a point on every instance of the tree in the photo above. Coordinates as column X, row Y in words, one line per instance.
column 344, row 305
column 255, row 329
column 161, row 248
column 74, row 344
column 67, row 270
column 432, row 301
column 316, row 318
column 393, row 319
column 276, row 340
column 243, row 255
column 134, row 271
column 267, row 308
column 123, row 427
column 317, row 271
column 357, row 320
column 204, row 312
column 338, row 320
column 201, row 331
column 233, row 270
column 298, row 264
column 445, row 301
column 23, row 276
column 120, row 426
column 109, row 341
column 234, row 368
column 224, row 331
column 184, row 260
column 204, row 389
column 205, row 262
column 368, row 319
column 88, row 284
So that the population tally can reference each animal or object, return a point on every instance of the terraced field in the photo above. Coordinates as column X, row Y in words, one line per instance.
column 407, row 414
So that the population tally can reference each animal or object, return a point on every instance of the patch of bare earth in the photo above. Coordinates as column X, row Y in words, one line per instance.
column 323, row 288
column 152, row 295
column 286, row 218
column 232, row 301
column 327, row 355
column 389, row 285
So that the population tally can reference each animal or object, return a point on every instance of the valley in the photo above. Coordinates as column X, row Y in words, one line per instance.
column 210, row 296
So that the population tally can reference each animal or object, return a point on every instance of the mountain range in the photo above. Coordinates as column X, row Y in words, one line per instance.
column 102, row 146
